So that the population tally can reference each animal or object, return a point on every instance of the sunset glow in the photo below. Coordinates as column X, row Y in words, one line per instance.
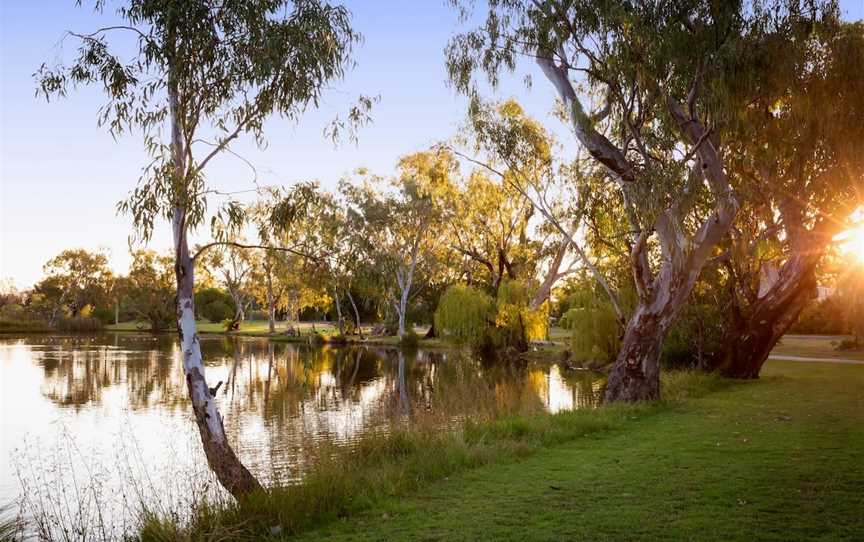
column 851, row 241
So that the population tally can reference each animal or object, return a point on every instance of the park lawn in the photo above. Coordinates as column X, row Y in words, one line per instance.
column 781, row 458
column 815, row 346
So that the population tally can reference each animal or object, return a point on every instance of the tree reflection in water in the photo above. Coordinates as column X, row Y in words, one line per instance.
column 283, row 401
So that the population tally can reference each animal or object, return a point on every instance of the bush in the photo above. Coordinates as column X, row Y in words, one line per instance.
column 596, row 333
column 214, row 304
column 464, row 314
column 824, row 317
column 410, row 339
column 696, row 339
column 106, row 316
column 514, row 321
column 216, row 311
column 848, row 344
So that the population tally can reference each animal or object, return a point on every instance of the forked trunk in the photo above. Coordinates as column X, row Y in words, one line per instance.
column 749, row 338
column 356, row 313
column 232, row 474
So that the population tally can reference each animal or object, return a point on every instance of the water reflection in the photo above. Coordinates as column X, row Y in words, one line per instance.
column 279, row 401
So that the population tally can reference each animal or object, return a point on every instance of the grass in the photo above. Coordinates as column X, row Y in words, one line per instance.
column 22, row 326
column 774, row 459
column 815, row 346
column 380, row 468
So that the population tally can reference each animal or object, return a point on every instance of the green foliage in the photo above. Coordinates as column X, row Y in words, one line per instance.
column 464, row 315
column 469, row 316
column 104, row 315
column 515, row 323
column 17, row 318
column 149, row 288
column 825, row 317
column 696, row 338
column 594, row 326
column 214, row 304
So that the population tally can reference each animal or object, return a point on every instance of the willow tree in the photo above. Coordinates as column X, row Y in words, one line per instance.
column 641, row 88
column 797, row 158
column 200, row 75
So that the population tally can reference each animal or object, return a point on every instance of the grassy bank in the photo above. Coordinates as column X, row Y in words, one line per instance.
column 775, row 459
column 346, row 483
column 260, row 328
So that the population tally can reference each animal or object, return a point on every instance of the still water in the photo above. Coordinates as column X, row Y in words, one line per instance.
column 108, row 414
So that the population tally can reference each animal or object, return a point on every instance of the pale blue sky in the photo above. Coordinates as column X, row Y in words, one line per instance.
column 61, row 176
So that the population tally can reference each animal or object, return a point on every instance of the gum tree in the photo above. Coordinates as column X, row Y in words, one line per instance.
column 638, row 82
column 799, row 163
column 200, row 75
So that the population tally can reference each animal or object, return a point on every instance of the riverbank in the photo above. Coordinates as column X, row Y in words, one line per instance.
column 774, row 459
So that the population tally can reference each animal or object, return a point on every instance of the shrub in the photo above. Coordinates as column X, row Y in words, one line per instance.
column 515, row 321
column 410, row 339
column 464, row 314
column 214, row 304
column 596, row 333
column 696, row 338
column 824, row 317
column 216, row 311
column 106, row 316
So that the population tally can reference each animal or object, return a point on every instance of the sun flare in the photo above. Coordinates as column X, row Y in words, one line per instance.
column 851, row 241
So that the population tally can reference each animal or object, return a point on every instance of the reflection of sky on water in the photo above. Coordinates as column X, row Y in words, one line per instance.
column 117, row 402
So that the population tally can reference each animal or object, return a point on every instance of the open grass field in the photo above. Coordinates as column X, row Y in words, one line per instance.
column 815, row 346
column 781, row 458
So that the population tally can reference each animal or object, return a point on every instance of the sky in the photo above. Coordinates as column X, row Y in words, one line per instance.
column 61, row 176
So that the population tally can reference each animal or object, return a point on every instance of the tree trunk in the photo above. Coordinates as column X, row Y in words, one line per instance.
column 231, row 473
column 271, row 302
column 749, row 339
column 356, row 314
column 338, row 310
column 116, row 312
column 635, row 375
column 552, row 276
column 403, row 307
column 431, row 333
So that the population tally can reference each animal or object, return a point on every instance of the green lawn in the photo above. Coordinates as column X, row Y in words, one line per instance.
column 815, row 346
column 781, row 458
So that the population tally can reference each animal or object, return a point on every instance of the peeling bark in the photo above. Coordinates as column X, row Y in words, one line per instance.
column 635, row 375
column 230, row 471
